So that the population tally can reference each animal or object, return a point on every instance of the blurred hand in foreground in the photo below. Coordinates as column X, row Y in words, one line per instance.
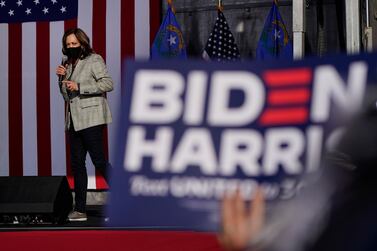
column 239, row 224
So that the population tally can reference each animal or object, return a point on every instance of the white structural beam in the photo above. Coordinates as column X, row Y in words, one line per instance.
column 299, row 23
column 353, row 26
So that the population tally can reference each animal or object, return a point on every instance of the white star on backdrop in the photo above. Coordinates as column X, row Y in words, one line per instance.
column 45, row 10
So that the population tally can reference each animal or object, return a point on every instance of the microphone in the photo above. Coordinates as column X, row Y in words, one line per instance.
column 64, row 62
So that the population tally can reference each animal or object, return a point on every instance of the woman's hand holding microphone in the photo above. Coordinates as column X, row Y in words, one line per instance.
column 70, row 85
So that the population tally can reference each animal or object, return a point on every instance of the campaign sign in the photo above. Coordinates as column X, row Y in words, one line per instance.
column 191, row 131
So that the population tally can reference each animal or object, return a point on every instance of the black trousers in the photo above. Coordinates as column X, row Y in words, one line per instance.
column 81, row 142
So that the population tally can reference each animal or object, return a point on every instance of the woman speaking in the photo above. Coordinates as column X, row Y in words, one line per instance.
column 83, row 82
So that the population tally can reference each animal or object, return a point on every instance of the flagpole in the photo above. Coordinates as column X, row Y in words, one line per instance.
column 299, row 19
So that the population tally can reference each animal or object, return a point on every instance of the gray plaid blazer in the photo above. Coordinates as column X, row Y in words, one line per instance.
column 89, row 106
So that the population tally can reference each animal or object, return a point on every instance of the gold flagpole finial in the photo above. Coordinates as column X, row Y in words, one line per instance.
column 220, row 5
column 170, row 2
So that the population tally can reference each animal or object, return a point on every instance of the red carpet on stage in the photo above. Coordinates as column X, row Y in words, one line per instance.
column 107, row 240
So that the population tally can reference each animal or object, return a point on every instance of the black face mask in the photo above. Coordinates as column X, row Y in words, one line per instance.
column 74, row 52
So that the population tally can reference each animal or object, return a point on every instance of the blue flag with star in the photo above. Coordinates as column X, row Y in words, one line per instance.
column 168, row 42
column 16, row 11
column 274, row 42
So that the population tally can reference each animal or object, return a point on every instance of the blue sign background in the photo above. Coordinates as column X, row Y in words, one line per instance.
column 202, row 213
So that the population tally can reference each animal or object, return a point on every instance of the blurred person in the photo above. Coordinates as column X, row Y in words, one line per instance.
column 83, row 82
column 336, row 211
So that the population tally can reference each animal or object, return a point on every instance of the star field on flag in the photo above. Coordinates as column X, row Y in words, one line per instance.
column 12, row 11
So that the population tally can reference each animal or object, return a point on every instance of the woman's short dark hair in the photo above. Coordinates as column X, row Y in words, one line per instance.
column 81, row 37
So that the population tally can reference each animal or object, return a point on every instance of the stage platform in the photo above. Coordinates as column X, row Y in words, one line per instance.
column 96, row 220
column 94, row 235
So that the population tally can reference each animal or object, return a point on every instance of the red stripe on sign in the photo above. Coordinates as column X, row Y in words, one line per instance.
column 100, row 181
column 43, row 99
column 155, row 18
column 285, row 97
column 284, row 116
column 298, row 76
column 15, row 100
column 99, row 46
column 68, row 161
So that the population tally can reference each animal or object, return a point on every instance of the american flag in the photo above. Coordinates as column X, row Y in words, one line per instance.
column 220, row 44
column 32, row 137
